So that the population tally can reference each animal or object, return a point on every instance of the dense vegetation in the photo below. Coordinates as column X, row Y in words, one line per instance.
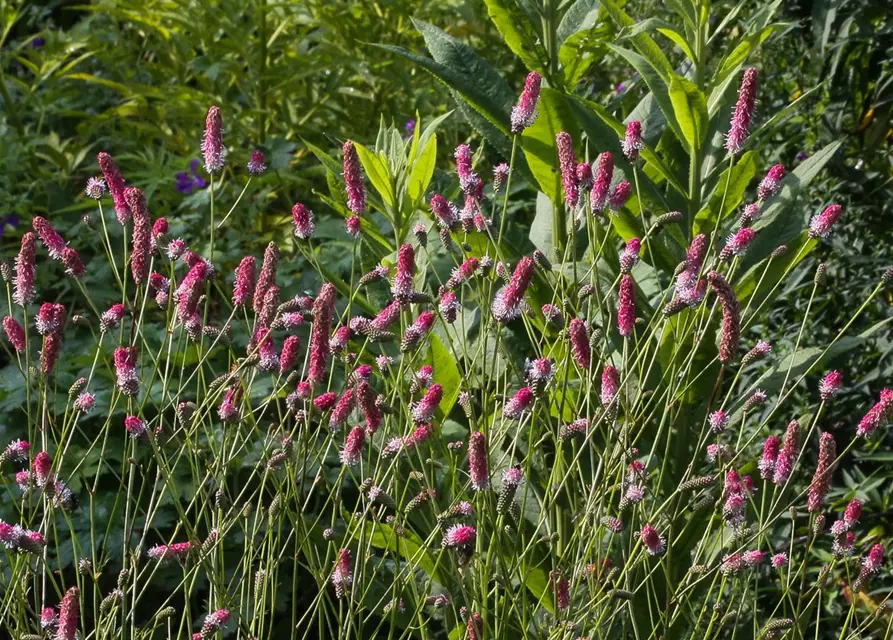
column 460, row 320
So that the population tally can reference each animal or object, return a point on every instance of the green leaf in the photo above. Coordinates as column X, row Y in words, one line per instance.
column 678, row 39
column 379, row 175
column 580, row 51
column 538, row 142
column 446, row 373
column 515, row 28
column 541, row 227
column 407, row 546
column 657, row 82
column 774, row 228
column 690, row 109
column 728, row 194
column 581, row 15
column 422, row 171
column 643, row 43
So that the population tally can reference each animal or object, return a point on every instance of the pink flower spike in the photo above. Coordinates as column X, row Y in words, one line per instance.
column 719, row 420
column 212, row 147
column 830, row 385
column 507, row 302
column 766, row 465
column 69, row 615
column 245, row 280
column 821, row 225
column 788, row 454
column 323, row 310
column 655, row 543
column 136, row 428
column 353, row 179
column 771, row 183
column 584, row 175
column 731, row 317
column 737, row 244
column 568, row 165
column 302, row 217
column 524, row 113
column 424, row 410
column 353, row 447
column 49, row 236
column 354, row 226
column 289, row 357
column 500, row 176
column 402, row 288
column 417, row 331
column 610, row 385
column 15, row 333
column 112, row 317
column 25, row 268
column 477, row 461
column 626, row 306
column 821, row 481
column 629, row 256
column 519, row 404
column 601, row 187
column 779, row 560
column 619, row 196
column 214, row 623
column 459, row 536
column 743, row 114
column 115, row 183
column 632, row 140
column 852, row 513
column 142, row 234
column 74, row 266
column 877, row 416
column 342, row 576
column 256, row 164
column 125, row 370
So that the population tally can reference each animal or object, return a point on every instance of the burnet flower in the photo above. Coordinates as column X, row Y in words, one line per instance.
column 213, row 150
column 632, row 142
column 626, row 306
column 821, row 481
column 115, row 183
column 877, row 416
column 524, row 113
column 743, row 114
column 568, row 165
column 302, row 217
column 353, row 179
column 477, row 461
column 508, row 300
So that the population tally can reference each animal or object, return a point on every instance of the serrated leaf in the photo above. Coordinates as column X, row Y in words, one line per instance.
column 690, row 109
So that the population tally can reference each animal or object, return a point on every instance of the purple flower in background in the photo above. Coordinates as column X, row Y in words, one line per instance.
column 38, row 42
column 800, row 157
column 409, row 129
column 189, row 181
column 620, row 88
column 8, row 221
